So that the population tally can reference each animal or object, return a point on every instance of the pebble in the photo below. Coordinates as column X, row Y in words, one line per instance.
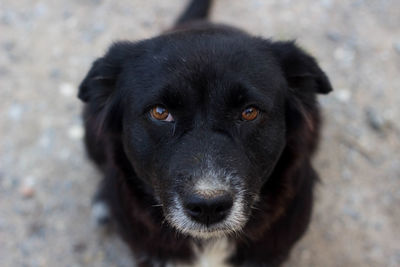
column 66, row 14
column 374, row 119
column 75, row 132
column 15, row 112
column 343, row 95
column 55, row 73
column 91, row 34
column 40, row 9
column 335, row 37
column 46, row 139
column 67, row 89
column 27, row 191
column 351, row 213
column 27, row 188
column 100, row 214
column 344, row 55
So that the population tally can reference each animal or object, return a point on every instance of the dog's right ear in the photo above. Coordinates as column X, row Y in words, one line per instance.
column 99, row 84
column 99, row 81
column 99, row 89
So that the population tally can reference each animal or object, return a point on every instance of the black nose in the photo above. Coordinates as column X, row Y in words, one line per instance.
column 208, row 210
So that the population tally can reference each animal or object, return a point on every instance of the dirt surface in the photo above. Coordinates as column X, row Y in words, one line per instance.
column 46, row 182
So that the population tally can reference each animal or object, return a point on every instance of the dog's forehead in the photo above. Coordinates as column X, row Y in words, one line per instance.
column 203, row 66
column 221, row 59
column 196, row 50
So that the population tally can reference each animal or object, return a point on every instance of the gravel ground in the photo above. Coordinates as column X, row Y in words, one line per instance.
column 46, row 182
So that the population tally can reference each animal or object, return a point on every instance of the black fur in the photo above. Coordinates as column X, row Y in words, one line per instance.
column 205, row 74
column 196, row 10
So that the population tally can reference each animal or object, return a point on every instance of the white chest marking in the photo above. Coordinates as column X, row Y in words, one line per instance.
column 212, row 254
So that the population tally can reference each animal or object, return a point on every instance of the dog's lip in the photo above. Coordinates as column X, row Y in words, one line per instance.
column 208, row 231
column 211, row 230
column 213, row 233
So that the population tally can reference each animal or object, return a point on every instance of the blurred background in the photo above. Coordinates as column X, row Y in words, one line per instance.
column 46, row 182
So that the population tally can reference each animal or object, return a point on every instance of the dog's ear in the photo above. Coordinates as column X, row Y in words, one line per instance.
column 305, row 79
column 300, row 69
column 99, row 89
column 99, row 83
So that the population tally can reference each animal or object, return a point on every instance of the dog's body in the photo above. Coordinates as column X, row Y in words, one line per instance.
column 205, row 136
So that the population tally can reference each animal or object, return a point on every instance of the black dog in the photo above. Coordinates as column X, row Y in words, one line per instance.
column 205, row 135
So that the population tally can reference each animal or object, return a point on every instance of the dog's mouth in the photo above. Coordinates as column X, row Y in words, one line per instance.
column 209, row 222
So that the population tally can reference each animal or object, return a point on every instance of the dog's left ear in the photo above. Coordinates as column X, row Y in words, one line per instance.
column 300, row 69
column 99, row 89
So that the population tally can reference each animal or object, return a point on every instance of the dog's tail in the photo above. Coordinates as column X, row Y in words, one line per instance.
column 196, row 10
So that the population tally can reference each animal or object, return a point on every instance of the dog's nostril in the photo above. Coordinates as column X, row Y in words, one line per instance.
column 208, row 210
column 194, row 210
column 221, row 208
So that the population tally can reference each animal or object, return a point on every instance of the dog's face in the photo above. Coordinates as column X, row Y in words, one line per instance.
column 202, row 119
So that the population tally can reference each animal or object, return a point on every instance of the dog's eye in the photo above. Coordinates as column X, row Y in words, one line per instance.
column 160, row 113
column 250, row 113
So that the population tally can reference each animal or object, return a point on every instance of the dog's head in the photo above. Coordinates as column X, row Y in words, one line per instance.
column 203, row 118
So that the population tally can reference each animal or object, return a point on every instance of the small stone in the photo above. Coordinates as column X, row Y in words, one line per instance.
column 94, row 32
column 374, row 119
column 27, row 188
column 344, row 55
column 351, row 213
column 67, row 89
column 343, row 95
column 27, row 191
column 335, row 37
column 15, row 112
column 101, row 214
column 75, row 132
column 45, row 140
column 40, row 9
column 55, row 74
column 67, row 14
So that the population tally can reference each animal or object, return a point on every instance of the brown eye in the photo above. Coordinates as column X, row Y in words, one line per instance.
column 160, row 113
column 250, row 113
